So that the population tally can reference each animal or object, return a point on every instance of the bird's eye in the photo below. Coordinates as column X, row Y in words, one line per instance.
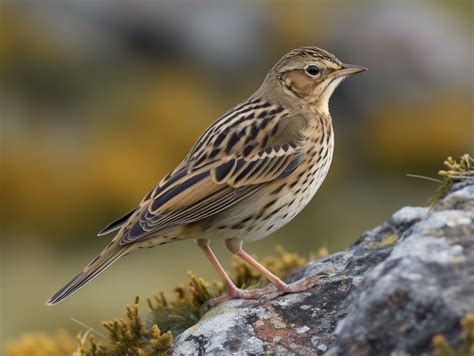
column 312, row 70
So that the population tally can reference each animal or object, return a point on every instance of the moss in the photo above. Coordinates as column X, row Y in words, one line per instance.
column 455, row 172
column 442, row 348
column 186, row 308
column 389, row 240
column 128, row 337
column 320, row 253
column 42, row 344
column 132, row 336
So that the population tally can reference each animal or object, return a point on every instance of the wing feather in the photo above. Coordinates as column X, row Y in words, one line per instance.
column 246, row 148
column 117, row 224
column 209, row 191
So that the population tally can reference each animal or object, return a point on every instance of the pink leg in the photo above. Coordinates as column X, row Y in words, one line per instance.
column 261, row 269
column 232, row 290
column 235, row 246
column 228, row 284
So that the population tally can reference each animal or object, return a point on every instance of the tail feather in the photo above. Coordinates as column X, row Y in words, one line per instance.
column 93, row 269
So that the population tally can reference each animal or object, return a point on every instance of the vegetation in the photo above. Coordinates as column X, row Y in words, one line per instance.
column 128, row 337
column 42, row 344
column 132, row 336
column 455, row 172
column 441, row 347
column 187, row 308
column 189, row 304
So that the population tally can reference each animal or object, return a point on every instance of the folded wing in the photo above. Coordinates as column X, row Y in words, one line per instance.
column 208, row 190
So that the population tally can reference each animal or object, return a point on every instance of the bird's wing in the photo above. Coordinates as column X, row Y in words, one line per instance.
column 188, row 196
column 116, row 224
column 249, row 127
column 252, row 144
column 209, row 190
column 246, row 129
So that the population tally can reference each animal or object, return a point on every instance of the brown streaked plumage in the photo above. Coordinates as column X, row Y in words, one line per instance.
column 249, row 173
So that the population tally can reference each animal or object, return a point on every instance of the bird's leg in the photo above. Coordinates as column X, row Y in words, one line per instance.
column 229, row 285
column 235, row 246
column 232, row 290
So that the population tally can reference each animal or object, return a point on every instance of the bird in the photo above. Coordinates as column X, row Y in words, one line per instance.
column 249, row 173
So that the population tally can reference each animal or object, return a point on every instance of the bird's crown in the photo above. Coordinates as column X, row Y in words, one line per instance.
column 303, row 55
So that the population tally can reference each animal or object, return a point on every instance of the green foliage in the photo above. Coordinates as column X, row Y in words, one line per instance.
column 442, row 348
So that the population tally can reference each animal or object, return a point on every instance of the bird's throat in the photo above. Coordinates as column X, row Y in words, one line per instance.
column 321, row 98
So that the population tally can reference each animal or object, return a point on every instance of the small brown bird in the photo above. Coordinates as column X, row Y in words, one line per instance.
column 249, row 173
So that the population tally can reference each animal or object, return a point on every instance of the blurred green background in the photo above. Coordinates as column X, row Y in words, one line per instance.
column 100, row 99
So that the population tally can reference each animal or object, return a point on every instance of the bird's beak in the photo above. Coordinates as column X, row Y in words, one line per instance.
column 349, row 69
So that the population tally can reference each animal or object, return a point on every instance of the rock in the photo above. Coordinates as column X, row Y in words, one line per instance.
column 389, row 293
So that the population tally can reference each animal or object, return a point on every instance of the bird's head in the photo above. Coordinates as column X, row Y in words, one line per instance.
column 311, row 74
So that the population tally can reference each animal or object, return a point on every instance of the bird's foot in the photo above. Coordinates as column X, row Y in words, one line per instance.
column 296, row 287
column 237, row 293
column 266, row 293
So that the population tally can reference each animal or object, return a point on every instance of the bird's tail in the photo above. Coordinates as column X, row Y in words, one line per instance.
column 92, row 270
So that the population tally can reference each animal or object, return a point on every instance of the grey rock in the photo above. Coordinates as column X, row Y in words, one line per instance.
column 389, row 293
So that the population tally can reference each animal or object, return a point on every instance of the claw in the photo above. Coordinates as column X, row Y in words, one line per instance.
column 265, row 294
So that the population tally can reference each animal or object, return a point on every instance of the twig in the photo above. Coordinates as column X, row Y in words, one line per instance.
column 424, row 177
column 88, row 327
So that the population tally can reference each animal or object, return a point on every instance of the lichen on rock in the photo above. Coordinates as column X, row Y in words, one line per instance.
column 398, row 286
column 404, row 287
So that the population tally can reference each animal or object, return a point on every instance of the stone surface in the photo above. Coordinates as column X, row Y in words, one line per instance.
column 390, row 292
